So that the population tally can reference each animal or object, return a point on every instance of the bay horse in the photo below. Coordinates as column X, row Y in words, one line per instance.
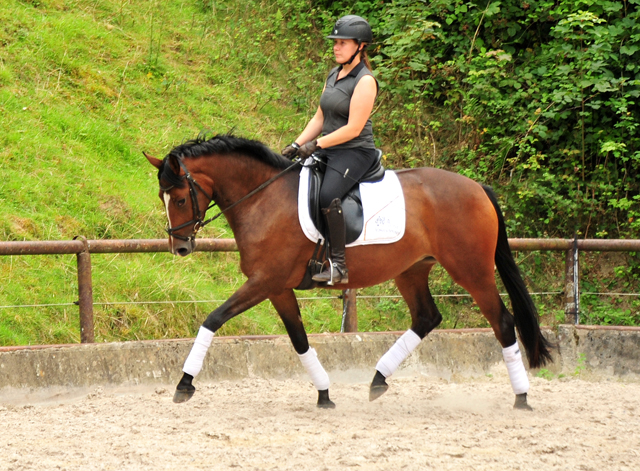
column 450, row 219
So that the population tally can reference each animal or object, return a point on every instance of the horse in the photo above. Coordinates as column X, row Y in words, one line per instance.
column 450, row 219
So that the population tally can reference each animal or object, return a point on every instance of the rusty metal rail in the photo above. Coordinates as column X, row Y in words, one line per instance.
column 76, row 246
column 83, row 249
column 49, row 247
column 586, row 245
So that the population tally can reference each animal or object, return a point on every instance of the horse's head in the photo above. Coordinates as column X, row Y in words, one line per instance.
column 185, row 201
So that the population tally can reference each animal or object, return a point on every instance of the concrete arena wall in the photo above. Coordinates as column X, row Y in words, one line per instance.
column 599, row 352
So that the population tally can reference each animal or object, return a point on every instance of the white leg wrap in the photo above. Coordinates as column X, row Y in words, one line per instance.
column 193, row 364
column 318, row 375
column 515, row 367
column 400, row 350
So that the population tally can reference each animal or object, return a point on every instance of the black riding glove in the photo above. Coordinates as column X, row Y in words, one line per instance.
column 308, row 149
column 291, row 150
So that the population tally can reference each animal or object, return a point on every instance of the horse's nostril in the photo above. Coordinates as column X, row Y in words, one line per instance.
column 183, row 252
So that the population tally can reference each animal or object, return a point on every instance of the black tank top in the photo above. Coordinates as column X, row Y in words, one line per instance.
column 335, row 102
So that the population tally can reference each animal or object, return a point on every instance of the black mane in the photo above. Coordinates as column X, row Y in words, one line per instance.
column 229, row 144
column 220, row 144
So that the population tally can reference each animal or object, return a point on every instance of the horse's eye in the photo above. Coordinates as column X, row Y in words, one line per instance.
column 181, row 202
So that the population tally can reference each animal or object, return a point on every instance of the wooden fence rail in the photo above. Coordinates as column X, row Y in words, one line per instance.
column 83, row 249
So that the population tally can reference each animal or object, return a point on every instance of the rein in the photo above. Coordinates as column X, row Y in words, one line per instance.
column 198, row 220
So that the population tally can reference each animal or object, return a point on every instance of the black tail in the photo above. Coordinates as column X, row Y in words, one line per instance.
column 524, row 311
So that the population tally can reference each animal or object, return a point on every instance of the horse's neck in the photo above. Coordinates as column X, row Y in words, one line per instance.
column 236, row 177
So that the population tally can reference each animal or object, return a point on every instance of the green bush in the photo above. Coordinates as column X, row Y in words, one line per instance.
column 537, row 98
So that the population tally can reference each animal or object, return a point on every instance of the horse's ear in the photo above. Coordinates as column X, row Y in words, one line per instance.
column 157, row 163
column 173, row 163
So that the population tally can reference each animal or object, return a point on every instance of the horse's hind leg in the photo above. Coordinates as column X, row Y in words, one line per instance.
column 414, row 287
column 481, row 285
column 287, row 306
column 503, row 325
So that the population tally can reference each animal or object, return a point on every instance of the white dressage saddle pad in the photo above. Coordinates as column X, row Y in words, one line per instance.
column 382, row 206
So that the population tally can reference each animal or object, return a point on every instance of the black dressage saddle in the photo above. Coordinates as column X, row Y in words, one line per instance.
column 351, row 203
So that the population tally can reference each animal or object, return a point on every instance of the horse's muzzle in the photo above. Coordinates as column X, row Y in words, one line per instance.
column 183, row 247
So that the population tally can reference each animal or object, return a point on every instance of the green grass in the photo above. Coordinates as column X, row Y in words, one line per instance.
column 85, row 87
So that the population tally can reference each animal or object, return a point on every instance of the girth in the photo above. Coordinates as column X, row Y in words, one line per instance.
column 351, row 203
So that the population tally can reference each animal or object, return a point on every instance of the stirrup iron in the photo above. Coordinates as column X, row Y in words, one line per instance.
column 331, row 270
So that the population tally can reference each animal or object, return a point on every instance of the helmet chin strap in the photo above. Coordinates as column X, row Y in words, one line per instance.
column 358, row 51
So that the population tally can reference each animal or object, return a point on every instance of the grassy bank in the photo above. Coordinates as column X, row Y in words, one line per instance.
column 84, row 88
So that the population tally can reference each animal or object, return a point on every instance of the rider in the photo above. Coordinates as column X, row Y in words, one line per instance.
column 346, row 138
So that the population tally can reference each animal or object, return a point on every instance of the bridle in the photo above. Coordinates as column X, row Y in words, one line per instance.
column 198, row 220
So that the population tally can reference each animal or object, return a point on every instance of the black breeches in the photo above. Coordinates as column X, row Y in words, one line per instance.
column 345, row 167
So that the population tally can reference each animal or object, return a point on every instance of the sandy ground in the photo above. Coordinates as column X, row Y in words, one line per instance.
column 257, row 424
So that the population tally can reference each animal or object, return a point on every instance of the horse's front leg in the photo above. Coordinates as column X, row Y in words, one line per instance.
column 413, row 284
column 251, row 293
column 287, row 306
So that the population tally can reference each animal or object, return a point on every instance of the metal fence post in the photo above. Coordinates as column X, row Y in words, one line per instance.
column 85, row 293
column 572, row 285
column 349, row 311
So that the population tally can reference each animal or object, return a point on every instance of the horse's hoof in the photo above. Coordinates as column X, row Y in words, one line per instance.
column 376, row 391
column 521, row 402
column 378, row 387
column 323, row 400
column 183, row 395
column 326, row 405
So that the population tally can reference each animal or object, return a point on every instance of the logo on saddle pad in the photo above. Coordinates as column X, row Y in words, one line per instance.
column 374, row 212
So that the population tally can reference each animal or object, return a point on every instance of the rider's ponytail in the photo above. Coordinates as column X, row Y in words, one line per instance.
column 364, row 57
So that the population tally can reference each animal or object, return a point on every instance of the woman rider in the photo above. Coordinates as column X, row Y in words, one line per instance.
column 346, row 138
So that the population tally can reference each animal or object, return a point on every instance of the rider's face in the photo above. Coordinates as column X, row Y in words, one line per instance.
column 343, row 49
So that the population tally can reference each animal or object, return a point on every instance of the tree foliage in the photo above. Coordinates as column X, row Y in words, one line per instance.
column 535, row 97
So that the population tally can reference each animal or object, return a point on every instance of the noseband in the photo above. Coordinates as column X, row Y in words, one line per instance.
column 198, row 220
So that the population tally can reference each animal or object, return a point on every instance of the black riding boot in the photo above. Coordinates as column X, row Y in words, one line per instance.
column 337, row 271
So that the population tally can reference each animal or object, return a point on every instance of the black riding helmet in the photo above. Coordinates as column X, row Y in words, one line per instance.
column 352, row 27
